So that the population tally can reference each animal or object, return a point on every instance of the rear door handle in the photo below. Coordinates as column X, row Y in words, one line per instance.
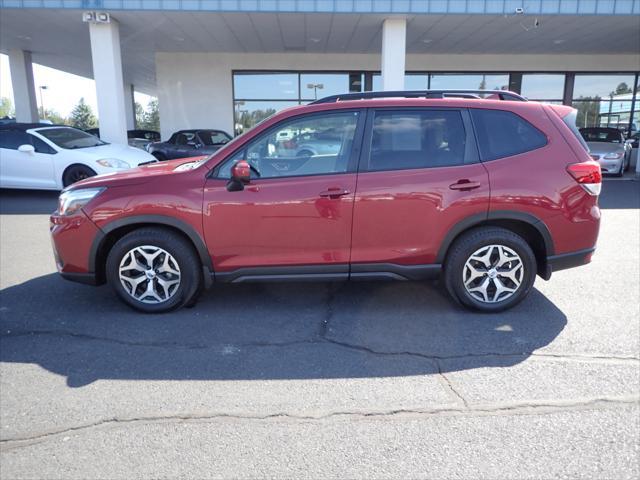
column 334, row 192
column 464, row 185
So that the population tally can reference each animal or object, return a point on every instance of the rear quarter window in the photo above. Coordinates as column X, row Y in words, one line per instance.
column 502, row 134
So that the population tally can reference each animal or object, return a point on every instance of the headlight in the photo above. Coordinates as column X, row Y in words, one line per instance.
column 612, row 156
column 71, row 201
column 113, row 163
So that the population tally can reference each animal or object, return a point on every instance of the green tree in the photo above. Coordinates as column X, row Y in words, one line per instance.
column 6, row 108
column 139, row 114
column 82, row 116
column 151, row 116
column 588, row 111
column 622, row 88
column 55, row 117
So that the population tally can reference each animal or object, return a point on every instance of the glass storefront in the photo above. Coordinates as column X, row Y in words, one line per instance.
column 604, row 100
column 258, row 95
column 543, row 87
column 601, row 99
column 469, row 81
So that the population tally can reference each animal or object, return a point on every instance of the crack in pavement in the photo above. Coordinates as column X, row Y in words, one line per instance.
column 323, row 339
column 517, row 408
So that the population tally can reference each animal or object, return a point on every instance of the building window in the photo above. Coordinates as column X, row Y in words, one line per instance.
column 258, row 95
column 448, row 81
column 603, row 100
column 263, row 86
column 543, row 87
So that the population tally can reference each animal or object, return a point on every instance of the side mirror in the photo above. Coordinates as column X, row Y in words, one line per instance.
column 26, row 148
column 240, row 175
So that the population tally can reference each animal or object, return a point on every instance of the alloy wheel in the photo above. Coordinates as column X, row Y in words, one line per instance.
column 493, row 273
column 149, row 274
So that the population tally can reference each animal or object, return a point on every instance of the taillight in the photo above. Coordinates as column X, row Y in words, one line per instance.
column 588, row 175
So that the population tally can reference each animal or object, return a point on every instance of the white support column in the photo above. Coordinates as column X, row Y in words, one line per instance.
column 394, row 40
column 129, row 106
column 24, row 90
column 107, row 72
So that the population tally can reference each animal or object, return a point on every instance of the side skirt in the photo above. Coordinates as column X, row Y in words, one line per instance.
column 330, row 273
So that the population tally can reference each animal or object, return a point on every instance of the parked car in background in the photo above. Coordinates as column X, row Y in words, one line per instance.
column 609, row 147
column 138, row 138
column 628, row 131
column 52, row 157
column 485, row 193
column 311, row 143
column 189, row 143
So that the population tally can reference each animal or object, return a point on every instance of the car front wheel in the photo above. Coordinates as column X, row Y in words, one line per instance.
column 75, row 173
column 490, row 269
column 154, row 270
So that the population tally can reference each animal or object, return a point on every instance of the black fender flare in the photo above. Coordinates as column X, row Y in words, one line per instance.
column 479, row 218
column 160, row 220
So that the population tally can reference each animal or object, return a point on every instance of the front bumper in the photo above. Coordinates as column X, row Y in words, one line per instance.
column 610, row 166
column 72, row 238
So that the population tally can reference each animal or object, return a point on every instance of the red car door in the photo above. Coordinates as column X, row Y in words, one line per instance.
column 419, row 176
column 297, row 209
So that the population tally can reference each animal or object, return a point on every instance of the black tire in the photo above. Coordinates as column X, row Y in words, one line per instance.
column 75, row 173
column 620, row 173
column 178, row 247
column 305, row 153
column 161, row 157
column 470, row 242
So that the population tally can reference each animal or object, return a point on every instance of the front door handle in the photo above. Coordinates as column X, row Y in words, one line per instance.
column 334, row 192
column 464, row 185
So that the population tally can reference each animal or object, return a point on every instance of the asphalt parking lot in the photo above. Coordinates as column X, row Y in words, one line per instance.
column 320, row 380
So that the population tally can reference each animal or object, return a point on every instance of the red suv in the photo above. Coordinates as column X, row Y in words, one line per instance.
column 397, row 185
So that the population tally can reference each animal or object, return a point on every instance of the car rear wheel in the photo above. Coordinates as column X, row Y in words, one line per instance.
column 75, row 173
column 490, row 269
column 154, row 270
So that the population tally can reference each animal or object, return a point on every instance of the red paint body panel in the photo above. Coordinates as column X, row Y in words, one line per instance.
column 176, row 195
column 72, row 237
column 402, row 216
column 279, row 222
column 537, row 183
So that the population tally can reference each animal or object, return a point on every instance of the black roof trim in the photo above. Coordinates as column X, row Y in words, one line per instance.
column 502, row 95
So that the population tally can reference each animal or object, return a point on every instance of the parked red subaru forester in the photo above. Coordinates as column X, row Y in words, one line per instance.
column 396, row 185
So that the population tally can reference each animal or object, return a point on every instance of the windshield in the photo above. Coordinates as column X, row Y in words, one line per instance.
column 70, row 138
column 608, row 135
column 213, row 137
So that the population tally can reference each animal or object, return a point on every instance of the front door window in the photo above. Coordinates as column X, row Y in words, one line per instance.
column 313, row 145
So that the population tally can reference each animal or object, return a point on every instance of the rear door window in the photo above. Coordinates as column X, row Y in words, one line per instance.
column 503, row 134
column 407, row 139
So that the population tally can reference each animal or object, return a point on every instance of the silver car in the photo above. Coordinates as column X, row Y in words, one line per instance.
column 609, row 148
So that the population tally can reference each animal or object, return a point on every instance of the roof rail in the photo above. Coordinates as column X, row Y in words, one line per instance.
column 502, row 95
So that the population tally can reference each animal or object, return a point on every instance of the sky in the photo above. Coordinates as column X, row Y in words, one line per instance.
column 63, row 89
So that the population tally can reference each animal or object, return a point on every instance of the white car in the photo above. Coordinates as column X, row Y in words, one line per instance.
column 51, row 157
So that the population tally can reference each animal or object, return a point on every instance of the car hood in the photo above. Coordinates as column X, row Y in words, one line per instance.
column 605, row 147
column 137, row 175
column 133, row 156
